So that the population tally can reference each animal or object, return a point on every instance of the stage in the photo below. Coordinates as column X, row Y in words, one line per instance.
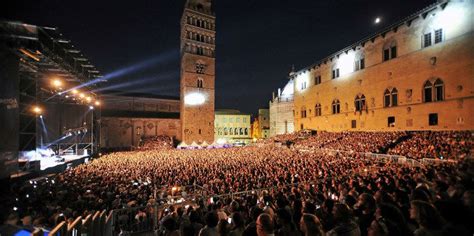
column 41, row 166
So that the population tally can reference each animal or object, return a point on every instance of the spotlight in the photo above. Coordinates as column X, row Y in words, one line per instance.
column 81, row 95
column 91, row 108
column 57, row 83
column 41, row 116
column 97, row 103
column 88, row 99
column 74, row 91
column 37, row 110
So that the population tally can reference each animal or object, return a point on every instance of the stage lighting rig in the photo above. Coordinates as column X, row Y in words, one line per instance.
column 37, row 110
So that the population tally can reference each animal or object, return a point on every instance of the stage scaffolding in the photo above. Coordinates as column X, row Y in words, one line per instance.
column 30, row 56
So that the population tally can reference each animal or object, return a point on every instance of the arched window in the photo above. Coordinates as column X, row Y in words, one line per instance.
column 236, row 131
column 231, row 131
column 303, row 112
column 359, row 102
column 428, row 92
column 439, row 90
column 199, row 83
column 246, row 131
column 336, row 106
column 390, row 97
column 241, row 131
column 317, row 110
column 433, row 91
column 225, row 131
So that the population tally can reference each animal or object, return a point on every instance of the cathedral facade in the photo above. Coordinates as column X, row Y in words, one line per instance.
column 197, row 81
column 418, row 74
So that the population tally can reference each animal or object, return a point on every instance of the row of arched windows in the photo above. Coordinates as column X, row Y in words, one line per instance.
column 232, row 131
column 200, row 37
column 432, row 91
column 204, row 51
column 200, row 23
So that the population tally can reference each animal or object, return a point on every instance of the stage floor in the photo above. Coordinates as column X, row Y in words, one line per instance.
column 49, row 162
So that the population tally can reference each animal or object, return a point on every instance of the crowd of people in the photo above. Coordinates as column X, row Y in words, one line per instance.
column 414, row 144
column 286, row 192
column 156, row 143
column 435, row 144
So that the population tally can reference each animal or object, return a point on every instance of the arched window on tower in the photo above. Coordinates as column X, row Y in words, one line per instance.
column 246, row 131
column 225, row 131
column 241, row 131
column 236, row 131
column 231, row 131
column 199, row 83
column 359, row 102
column 336, row 106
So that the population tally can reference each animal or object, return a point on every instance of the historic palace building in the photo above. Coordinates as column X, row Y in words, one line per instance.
column 417, row 74
column 232, row 126
column 282, row 109
column 197, row 72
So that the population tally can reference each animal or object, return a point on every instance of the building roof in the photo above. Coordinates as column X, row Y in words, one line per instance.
column 140, row 95
column 228, row 112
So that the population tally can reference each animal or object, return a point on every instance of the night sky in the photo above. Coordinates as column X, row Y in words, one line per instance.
column 257, row 41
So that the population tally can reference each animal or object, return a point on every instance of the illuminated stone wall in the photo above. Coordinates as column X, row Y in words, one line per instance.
column 128, row 118
column 450, row 61
column 231, row 127
column 281, row 111
column 122, row 132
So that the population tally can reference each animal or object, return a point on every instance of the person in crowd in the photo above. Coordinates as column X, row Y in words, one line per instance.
column 210, row 229
column 427, row 217
column 345, row 222
column 311, row 226
column 265, row 226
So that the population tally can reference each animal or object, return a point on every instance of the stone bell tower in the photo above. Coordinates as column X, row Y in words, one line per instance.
column 197, row 72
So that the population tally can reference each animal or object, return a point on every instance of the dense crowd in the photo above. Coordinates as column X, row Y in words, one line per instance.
column 156, row 143
column 306, row 193
column 414, row 144
column 374, row 142
column 439, row 145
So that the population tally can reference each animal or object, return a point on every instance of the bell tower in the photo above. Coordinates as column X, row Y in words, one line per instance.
column 197, row 72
